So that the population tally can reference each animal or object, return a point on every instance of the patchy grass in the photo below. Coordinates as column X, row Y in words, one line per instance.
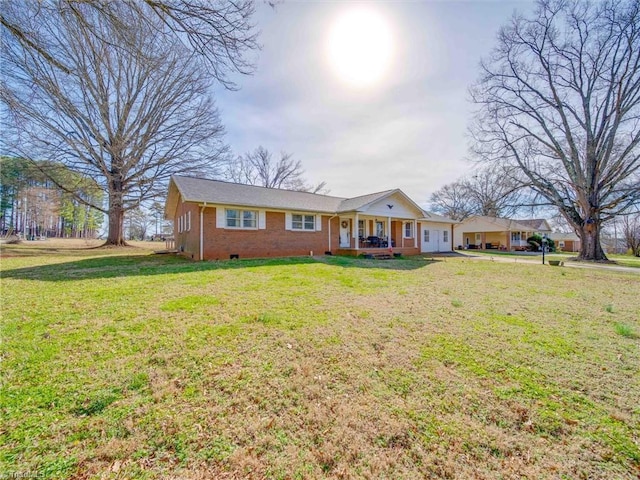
column 625, row 330
column 121, row 364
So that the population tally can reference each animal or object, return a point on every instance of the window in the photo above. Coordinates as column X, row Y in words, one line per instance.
column 515, row 236
column 241, row 218
column 426, row 236
column 445, row 235
column 361, row 228
column 233, row 218
column 303, row 222
column 380, row 229
column 188, row 221
column 249, row 219
column 408, row 230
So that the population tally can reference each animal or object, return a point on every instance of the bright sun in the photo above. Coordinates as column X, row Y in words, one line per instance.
column 360, row 47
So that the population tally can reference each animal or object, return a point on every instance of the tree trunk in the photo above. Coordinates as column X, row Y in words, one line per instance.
column 115, row 235
column 590, row 247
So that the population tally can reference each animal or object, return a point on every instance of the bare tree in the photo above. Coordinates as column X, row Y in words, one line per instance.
column 490, row 192
column 127, row 117
column 560, row 100
column 218, row 32
column 259, row 168
column 453, row 201
column 631, row 232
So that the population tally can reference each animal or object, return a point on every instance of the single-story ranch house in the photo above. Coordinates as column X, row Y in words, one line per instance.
column 483, row 232
column 215, row 220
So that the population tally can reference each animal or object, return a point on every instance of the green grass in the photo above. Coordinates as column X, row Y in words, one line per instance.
column 622, row 260
column 122, row 364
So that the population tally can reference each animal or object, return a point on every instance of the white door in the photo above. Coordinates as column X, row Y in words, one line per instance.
column 428, row 239
column 434, row 239
column 345, row 234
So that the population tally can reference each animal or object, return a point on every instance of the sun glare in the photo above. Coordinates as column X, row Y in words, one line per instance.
column 360, row 47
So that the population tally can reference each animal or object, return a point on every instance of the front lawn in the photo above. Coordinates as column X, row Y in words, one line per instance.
column 123, row 364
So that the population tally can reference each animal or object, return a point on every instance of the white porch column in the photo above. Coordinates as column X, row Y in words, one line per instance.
column 415, row 233
column 356, row 236
column 388, row 232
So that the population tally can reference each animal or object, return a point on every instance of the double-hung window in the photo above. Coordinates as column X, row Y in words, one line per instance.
column 303, row 222
column 408, row 230
column 241, row 218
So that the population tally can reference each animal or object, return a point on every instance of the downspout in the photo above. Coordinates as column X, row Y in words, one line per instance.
column 202, row 231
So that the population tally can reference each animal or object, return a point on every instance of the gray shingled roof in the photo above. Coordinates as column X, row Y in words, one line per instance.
column 351, row 204
column 226, row 193
column 534, row 223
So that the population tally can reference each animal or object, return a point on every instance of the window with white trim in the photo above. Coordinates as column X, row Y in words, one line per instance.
column 235, row 218
column 361, row 228
column 188, row 222
column 445, row 235
column 515, row 236
column 303, row 222
column 426, row 236
column 408, row 230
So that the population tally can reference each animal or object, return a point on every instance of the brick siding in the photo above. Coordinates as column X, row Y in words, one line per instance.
column 274, row 241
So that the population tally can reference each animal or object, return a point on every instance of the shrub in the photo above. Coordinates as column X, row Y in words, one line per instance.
column 535, row 243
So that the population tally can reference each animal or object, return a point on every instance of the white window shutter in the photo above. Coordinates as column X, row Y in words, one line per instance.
column 287, row 221
column 318, row 223
column 220, row 217
column 262, row 219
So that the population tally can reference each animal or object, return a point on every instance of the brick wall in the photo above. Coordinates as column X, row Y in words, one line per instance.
column 274, row 241
column 187, row 242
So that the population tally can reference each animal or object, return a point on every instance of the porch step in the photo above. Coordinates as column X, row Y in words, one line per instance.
column 378, row 256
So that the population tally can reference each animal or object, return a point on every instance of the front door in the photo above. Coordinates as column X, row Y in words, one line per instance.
column 345, row 233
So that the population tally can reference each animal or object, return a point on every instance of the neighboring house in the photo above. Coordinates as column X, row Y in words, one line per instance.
column 566, row 242
column 497, row 233
column 611, row 244
column 216, row 220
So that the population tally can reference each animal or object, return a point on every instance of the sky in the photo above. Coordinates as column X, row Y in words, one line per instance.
column 395, row 114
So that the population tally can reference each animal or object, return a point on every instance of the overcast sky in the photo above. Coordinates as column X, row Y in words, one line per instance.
column 407, row 129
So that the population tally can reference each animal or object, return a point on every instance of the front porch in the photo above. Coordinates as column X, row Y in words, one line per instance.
column 372, row 234
column 504, row 241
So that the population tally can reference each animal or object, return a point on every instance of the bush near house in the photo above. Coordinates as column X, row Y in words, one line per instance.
column 535, row 242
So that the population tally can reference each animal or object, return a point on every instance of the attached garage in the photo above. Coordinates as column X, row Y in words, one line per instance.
column 436, row 234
